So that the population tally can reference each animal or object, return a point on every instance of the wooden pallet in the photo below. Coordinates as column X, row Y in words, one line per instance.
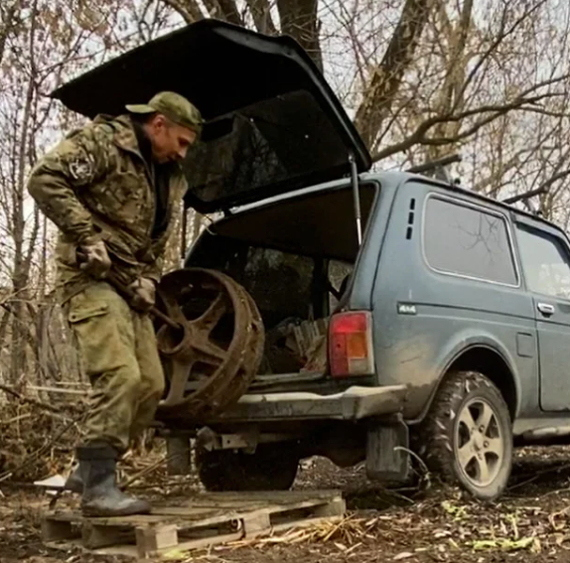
column 198, row 521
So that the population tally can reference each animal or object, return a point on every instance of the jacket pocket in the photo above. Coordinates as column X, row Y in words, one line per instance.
column 84, row 313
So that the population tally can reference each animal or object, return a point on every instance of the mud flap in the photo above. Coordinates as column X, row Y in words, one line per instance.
column 178, row 455
column 387, row 445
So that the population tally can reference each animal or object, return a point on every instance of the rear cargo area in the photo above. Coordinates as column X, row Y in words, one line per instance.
column 295, row 257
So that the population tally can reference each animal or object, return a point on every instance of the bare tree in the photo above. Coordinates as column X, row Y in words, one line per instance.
column 422, row 78
column 52, row 41
column 298, row 18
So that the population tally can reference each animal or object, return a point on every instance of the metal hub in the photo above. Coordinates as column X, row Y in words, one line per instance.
column 479, row 444
column 212, row 358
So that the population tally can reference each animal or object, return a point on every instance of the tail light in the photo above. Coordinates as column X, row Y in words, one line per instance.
column 350, row 344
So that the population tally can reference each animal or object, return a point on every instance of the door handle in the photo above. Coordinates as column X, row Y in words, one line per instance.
column 546, row 309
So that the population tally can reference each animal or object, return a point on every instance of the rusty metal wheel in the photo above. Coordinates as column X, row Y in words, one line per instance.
column 211, row 360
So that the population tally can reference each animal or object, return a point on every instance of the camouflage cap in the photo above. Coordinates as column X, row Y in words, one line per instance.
column 174, row 106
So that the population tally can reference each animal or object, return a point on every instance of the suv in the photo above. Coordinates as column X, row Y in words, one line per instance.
column 401, row 313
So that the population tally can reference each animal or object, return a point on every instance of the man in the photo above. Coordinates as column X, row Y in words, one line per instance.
column 110, row 189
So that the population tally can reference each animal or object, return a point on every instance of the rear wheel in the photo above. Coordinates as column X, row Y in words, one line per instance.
column 467, row 436
column 270, row 467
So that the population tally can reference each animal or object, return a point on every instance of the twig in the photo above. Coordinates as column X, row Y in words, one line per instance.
column 40, row 451
column 15, row 419
column 539, row 474
column 29, row 400
column 146, row 470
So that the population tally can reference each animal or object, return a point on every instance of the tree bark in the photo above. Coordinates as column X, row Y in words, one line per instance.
column 452, row 96
column 189, row 10
column 20, row 272
column 8, row 18
column 261, row 13
column 299, row 20
column 386, row 78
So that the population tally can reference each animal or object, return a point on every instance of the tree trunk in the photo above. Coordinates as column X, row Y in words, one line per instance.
column 20, row 273
column 451, row 96
column 299, row 20
column 386, row 78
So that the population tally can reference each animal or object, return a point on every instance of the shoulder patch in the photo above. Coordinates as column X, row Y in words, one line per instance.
column 81, row 167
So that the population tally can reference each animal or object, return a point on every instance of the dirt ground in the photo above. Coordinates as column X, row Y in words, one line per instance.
column 530, row 523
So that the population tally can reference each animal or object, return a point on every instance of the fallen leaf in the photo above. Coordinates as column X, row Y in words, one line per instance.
column 403, row 555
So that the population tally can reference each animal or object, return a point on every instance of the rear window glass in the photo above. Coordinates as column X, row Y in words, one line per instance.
column 269, row 142
column 467, row 241
column 279, row 282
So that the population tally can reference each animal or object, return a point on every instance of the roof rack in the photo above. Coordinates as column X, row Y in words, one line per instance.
column 525, row 196
column 437, row 167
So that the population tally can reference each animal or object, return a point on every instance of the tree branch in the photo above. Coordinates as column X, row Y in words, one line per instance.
column 386, row 78
column 8, row 17
column 260, row 11
column 521, row 103
column 299, row 20
column 188, row 9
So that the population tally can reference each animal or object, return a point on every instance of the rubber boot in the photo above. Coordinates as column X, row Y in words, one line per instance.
column 74, row 482
column 101, row 497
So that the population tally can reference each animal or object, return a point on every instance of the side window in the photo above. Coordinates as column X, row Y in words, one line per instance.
column 545, row 262
column 468, row 241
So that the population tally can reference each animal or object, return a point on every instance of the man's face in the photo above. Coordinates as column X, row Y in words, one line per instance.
column 169, row 140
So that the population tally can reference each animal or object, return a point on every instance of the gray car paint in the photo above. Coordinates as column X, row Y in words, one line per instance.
column 423, row 320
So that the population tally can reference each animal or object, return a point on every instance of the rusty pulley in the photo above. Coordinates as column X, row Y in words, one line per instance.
column 213, row 355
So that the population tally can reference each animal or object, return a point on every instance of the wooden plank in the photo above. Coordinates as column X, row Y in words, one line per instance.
column 298, row 506
column 150, row 540
column 293, row 525
column 205, row 542
column 186, row 511
column 257, row 522
column 55, row 530
column 63, row 516
column 193, row 516
column 203, row 520
column 336, row 507
column 274, row 497
column 94, row 535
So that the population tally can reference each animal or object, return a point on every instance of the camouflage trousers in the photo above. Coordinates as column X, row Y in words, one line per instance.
column 118, row 352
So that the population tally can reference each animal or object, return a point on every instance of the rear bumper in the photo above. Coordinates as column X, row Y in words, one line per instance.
column 355, row 403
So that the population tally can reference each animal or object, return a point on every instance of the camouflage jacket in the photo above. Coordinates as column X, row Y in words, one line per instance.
column 95, row 185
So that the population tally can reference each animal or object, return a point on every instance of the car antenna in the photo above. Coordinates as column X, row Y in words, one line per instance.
column 437, row 167
column 356, row 196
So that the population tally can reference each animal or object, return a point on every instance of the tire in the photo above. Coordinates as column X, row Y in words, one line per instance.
column 467, row 436
column 271, row 467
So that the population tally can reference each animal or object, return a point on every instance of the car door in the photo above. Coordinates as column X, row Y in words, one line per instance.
column 545, row 256
column 448, row 281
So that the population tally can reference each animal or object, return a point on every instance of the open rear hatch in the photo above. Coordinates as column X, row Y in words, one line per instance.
column 273, row 123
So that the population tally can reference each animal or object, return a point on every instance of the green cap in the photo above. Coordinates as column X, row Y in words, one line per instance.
column 174, row 106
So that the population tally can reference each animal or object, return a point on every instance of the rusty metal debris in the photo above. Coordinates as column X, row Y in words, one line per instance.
column 214, row 355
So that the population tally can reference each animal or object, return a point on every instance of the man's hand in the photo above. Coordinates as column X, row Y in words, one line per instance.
column 144, row 294
column 94, row 259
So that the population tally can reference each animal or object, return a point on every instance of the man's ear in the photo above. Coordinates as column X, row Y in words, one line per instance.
column 160, row 121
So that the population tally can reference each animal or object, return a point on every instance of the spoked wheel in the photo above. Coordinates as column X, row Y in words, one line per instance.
column 211, row 360
column 467, row 435
column 479, row 443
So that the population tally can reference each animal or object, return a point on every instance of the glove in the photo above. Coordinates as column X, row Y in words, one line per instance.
column 94, row 260
column 143, row 294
